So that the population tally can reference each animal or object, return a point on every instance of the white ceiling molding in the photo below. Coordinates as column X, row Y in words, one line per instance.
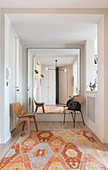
column 54, row 3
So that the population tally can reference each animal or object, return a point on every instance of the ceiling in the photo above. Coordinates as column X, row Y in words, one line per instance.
column 53, row 52
column 48, row 56
column 54, row 3
column 61, row 60
column 55, row 28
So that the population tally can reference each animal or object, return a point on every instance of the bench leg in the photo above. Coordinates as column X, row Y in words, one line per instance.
column 43, row 109
column 64, row 117
column 82, row 117
column 35, row 122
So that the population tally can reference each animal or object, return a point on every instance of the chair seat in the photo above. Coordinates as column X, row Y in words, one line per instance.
column 40, row 103
column 27, row 115
column 68, row 111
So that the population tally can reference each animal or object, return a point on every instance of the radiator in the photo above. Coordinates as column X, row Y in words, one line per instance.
column 91, row 108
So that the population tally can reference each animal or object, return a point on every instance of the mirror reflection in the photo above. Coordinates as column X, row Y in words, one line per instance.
column 53, row 75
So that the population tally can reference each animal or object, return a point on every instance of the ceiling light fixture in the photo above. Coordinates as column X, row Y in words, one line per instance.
column 65, row 70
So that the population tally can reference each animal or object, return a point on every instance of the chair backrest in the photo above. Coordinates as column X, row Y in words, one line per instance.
column 79, row 99
column 17, row 108
column 35, row 101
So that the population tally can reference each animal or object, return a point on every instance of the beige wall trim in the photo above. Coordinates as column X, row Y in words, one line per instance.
column 54, row 10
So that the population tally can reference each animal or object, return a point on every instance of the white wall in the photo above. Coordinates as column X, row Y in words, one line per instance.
column 98, row 126
column 90, row 67
column 1, row 84
column 106, row 78
column 101, row 80
column 8, row 89
column 7, row 134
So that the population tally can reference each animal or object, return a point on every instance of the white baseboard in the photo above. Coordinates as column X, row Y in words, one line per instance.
column 96, row 131
column 5, row 139
column 105, row 140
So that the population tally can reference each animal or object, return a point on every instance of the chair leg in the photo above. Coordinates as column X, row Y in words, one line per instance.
column 28, row 120
column 17, row 127
column 23, row 125
column 64, row 117
column 73, row 117
column 43, row 109
column 36, row 109
column 82, row 117
column 35, row 122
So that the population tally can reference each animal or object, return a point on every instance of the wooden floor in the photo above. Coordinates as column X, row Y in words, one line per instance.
column 48, row 125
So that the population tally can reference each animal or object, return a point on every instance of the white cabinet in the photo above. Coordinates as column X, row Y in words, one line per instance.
column 48, row 86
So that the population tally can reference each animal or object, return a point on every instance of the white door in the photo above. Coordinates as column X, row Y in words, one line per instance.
column 17, row 96
column 44, row 86
column 51, row 92
column 38, row 84
column 15, row 83
column 20, row 73
column 12, row 88
column 12, row 67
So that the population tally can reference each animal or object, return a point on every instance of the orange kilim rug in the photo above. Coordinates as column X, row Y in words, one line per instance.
column 51, row 109
column 55, row 150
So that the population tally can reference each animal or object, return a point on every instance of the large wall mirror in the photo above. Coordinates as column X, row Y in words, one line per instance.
column 53, row 75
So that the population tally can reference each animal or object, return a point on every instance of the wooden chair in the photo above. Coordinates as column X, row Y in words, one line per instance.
column 23, row 116
column 39, row 105
column 73, row 112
